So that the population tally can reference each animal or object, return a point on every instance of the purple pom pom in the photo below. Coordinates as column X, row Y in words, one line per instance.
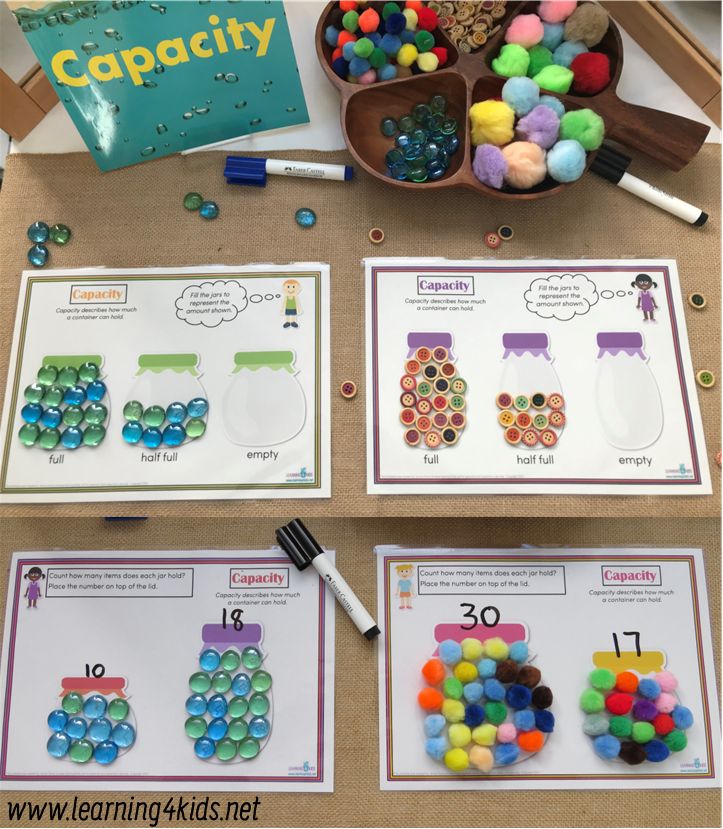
column 490, row 165
column 645, row 709
column 541, row 126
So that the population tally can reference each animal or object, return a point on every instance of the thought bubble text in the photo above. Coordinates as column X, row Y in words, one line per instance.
column 211, row 303
column 561, row 297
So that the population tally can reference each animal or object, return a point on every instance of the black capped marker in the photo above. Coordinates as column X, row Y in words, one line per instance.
column 302, row 548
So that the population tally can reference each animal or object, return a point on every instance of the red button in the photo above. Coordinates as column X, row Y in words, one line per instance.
column 492, row 240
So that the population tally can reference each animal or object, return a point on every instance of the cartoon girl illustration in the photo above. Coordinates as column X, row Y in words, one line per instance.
column 33, row 593
column 405, row 591
column 646, row 301
column 290, row 305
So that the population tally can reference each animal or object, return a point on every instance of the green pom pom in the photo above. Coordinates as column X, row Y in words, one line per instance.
column 595, row 725
column 390, row 8
column 424, row 40
column 363, row 47
column 540, row 57
column 621, row 726
column 592, row 701
column 676, row 740
column 452, row 688
column 602, row 679
column 350, row 21
column 583, row 125
column 554, row 78
column 513, row 61
column 378, row 58
column 495, row 712
column 643, row 732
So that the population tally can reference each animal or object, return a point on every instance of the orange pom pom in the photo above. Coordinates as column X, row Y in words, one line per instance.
column 433, row 671
column 345, row 37
column 431, row 699
column 347, row 5
column 531, row 740
column 627, row 682
column 414, row 4
column 337, row 53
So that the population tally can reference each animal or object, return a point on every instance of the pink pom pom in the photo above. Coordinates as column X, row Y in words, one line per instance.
column 555, row 11
column 666, row 702
column 367, row 77
column 526, row 166
column 526, row 30
column 506, row 733
column 666, row 680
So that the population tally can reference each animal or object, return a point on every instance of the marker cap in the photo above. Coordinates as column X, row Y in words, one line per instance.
column 298, row 543
column 245, row 170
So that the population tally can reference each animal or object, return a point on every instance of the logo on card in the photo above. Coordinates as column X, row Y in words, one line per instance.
column 638, row 576
column 450, row 285
column 243, row 578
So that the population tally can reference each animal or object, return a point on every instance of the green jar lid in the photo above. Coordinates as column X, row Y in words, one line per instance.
column 72, row 360
column 168, row 362
column 254, row 360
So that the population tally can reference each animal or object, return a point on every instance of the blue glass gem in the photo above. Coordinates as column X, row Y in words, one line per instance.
column 74, row 396
column 305, row 217
column 152, row 438
column 123, row 735
column 217, row 706
column 204, row 748
column 75, row 728
column 436, row 170
column 241, row 685
column 58, row 745
column 196, row 705
column 31, row 413
column 208, row 210
column 217, row 729
column 210, row 659
column 72, row 437
column 174, row 435
column 403, row 140
column 51, row 417
column 38, row 232
column 105, row 753
column 399, row 171
column 38, row 255
column 96, row 391
column 431, row 150
column 393, row 156
column 197, row 407
column 57, row 719
column 259, row 727
column 99, row 730
column 94, row 706
column 413, row 152
column 132, row 432
column 176, row 413
column 452, row 144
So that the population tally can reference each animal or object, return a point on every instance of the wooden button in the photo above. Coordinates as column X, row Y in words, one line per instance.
column 348, row 389
column 376, row 235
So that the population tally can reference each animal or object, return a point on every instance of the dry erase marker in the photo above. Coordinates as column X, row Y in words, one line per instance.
column 302, row 548
column 253, row 171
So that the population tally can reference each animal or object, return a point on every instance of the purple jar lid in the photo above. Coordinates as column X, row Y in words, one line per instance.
column 615, row 342
column 430, row 340
column 534, row 342
column 218, row 636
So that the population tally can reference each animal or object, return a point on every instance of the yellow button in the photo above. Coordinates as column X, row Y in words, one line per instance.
column 506, row 418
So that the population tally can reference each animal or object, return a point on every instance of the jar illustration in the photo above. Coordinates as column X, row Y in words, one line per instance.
column 433, row 394
column 66, row 406
column 627, row 394
column 483, row 704
column 167, row 403
column 229, row 711
column 94, row 721
column 531, row 408
column 264, row 404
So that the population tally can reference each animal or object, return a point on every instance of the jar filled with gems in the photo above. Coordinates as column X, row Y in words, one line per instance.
column 66, row 404
column 228, row 710
column 167, row 404
column 93, row 723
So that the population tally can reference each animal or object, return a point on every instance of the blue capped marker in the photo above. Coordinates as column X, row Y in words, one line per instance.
column 253, row 171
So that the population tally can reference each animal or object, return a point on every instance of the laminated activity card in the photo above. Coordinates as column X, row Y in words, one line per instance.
column 545, row 669
column 158, row 671
column 530, row 377
column 201, row 383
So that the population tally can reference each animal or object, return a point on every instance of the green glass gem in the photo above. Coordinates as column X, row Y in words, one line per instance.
column 192, row 201
column 88, row 372
column 388, row 127
column 238, row 729
column 72, row 703
column 154, row 416
column 249, row 748
column 60, row 234
column 237, row 707
column 438, row 103
column 261, row 681
column 221, row 682
column 95, row 414
column 449, row 126
column 420, row 112
column 195, row 727
column 406, row 123
column 200, row 682
column 67, row 377
column 29, row 433
column 230, row 660
column 47, row 375
column 258, row 705
column 118, row 709
column 49, row 438
column 80, row 751
column 133, row 410
column 418, row 174
column 251, row 658
column 195, row 427
column 93, row 435
column 54, row 395
column 226, row 749
column 73, row 416
column 34, row 393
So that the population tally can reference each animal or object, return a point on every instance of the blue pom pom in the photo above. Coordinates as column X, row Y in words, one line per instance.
column 566, row 52
column 358, row 66
column 682, row 717
column 347, row 50
column 522, row 94
column 434, row 725
column 566, row 161
column 545, row 721
column 524, row 720
column 487, row 668
column 436, row 747
column 340, row 67
column 387, row 72
column 474, row 715
column 395, row 23
column 390, row 44
column 506, row 753
column 494, row 690
column 473, row 691
column 656, row 751
column 519, row 651
column 518, row 697
column 555, row 104
column 649, row 688
column 606, row 746
column 554, row 33
column 450, row 652
column 407, row 36
column 331, row 36
column 375, row 38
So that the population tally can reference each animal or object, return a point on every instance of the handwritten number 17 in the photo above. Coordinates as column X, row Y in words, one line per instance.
column 635, row 634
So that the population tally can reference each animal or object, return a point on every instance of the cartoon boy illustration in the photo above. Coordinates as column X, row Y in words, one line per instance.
column 33, row 593
column 646, row 301
column 290, row 305
column 404, row 585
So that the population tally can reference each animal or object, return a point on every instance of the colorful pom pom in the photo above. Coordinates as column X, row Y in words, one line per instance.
column 369, row 21
column 518, row 697
column 496, row 647
column 595, row 724
column 473, row 691
column 472, row 649
column 588, row 23
column 566, row 53
column 663, row 724
column 487, row 667
column 618, row 703
column 485, row 735
column 682, row 717
column 529, row 676
column 481, row 758
column 632, row 753
column 411, row 19
column 606, row 746
column 627, row 682
column 645, row 709
column 667, row 681
column 541, row 127
column 555, row 104
column 427, row 19
column 522, row 94
column 592, row 73
column 390, row 44
column 494, row 690
column 586, row 127
column 358, row 66
column 436, row 747
column 656, row 751
column 542, row 697
column 507, row 671
column 512, row 61
column 525, row 165
column 506, row 753
column 592, row 701
column 540, row 57
column 434, row 725
column 395, row 23
column 453, row 710
column 643, row 732
column 553, row 35
column 367, row 77
column 350, row 21
column 407, row 54
column 648, row 688
column 474, row 715
column 456, row 759
column 554, row 78
column 531, row 741
column 495, row 712
column 441, row 53
column 430, row 699
column 450, row 652
column 602, row 679
column 340, row 67
column 427, row 61
column 555, row 11
column 545, row 721
column 377, row 58
column 331, row 35
column 492, row 122
column 566, row 161
column 433, row 671
column 666, row 702
column 363, row 47
column 525, row 30
column 621, row 726
column 465, row 672
column 676, row 740
column 387, row 72
column 390, row 8
column 459, row 735
column 452, row 688
column 506, row 733
column 524, row 720
column 519, row 652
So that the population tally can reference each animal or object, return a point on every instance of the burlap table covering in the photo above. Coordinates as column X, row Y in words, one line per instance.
column 134, row 218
